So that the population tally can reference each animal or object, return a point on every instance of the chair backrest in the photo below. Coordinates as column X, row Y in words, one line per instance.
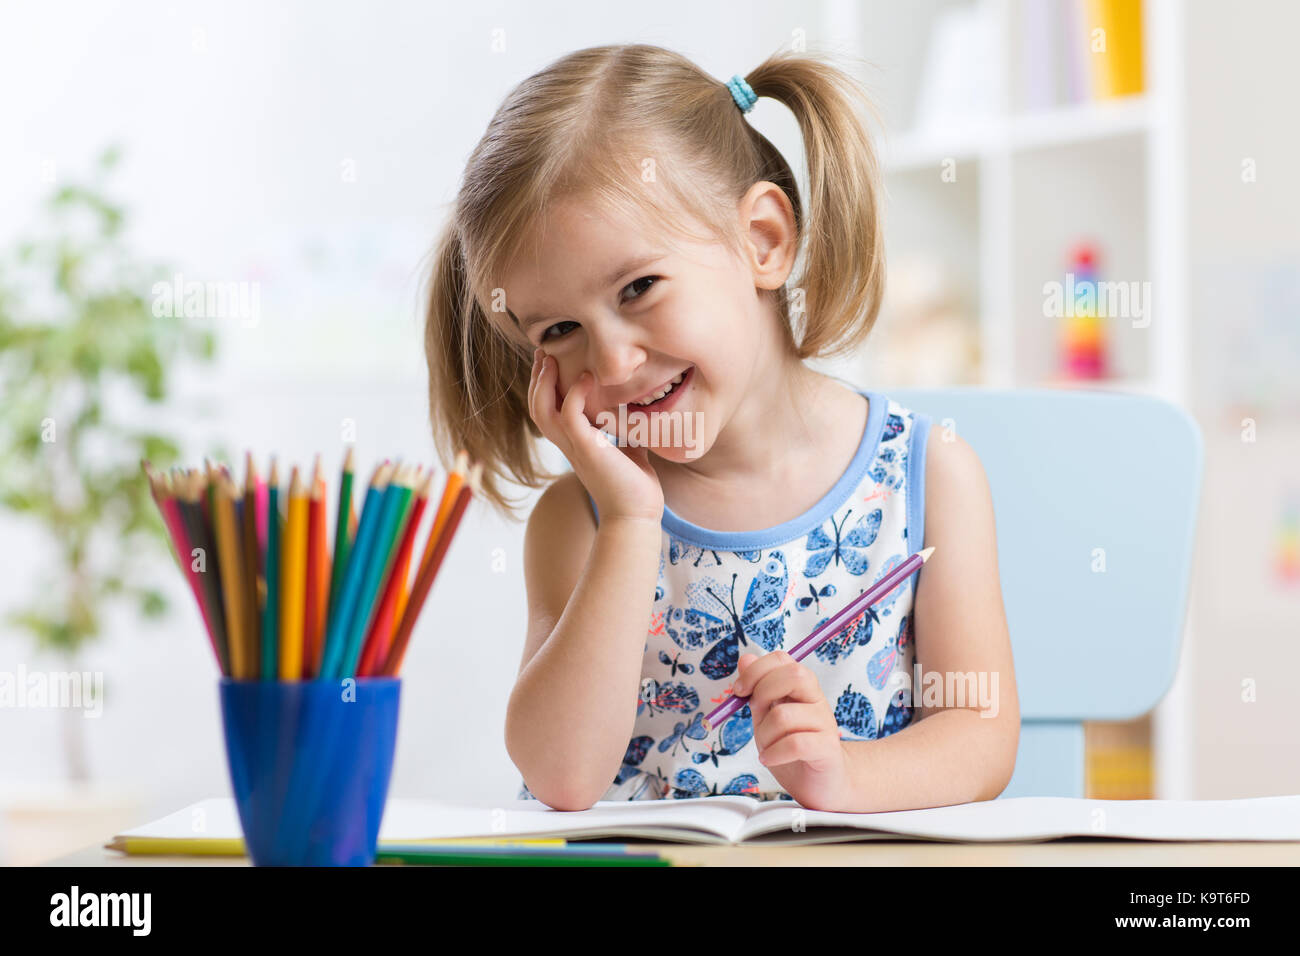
column 1095, row 495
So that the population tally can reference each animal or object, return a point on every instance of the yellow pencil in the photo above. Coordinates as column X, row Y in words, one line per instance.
column 232, row 575
column 293, row 569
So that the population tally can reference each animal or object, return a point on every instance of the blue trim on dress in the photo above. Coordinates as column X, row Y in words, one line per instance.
column 916, row 482
column 802, row 525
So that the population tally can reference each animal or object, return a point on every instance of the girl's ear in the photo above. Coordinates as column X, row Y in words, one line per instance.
column 767, row 221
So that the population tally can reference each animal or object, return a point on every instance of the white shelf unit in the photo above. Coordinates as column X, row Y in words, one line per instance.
column 1027, row 184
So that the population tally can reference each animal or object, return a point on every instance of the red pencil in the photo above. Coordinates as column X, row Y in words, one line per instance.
column 317, row 577
column 375, row 650
column 428, row 572
column 160, row 487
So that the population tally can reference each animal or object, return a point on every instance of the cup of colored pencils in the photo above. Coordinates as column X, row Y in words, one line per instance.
column 310, row 636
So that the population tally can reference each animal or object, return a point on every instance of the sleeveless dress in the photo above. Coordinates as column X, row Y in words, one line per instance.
column 721, row 594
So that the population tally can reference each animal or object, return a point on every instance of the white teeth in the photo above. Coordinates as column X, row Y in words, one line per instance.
column 662, row 392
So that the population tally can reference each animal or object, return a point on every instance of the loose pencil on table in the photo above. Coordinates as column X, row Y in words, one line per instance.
column 279, row 601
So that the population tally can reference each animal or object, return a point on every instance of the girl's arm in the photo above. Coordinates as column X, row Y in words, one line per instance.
column 590, row 595
column 958, row 751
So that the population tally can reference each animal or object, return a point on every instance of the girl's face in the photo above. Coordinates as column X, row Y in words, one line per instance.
column 636, row 314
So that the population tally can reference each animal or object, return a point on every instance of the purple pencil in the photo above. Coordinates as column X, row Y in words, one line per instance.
column 831, row 627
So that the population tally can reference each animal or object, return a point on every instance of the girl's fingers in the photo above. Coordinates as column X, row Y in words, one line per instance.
column 571, row 412
column 544, row 395
column 532, row 386
column 787, row 681
column 815, row 747
column 541, row 404
column 792, row 718
column 748, row 674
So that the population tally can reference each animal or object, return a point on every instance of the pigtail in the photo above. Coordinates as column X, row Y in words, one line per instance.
column 843, row 276
column 478, row 382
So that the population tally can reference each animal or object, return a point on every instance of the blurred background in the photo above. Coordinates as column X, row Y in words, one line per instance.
column 306, row 154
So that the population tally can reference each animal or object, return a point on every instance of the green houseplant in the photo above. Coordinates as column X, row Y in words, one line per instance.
column 80, row 345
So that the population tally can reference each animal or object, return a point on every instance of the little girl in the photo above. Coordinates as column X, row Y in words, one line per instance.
column 614, row 279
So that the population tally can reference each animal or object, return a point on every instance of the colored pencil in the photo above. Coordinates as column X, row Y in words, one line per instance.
column 177, row 535
column 252, row 564
column 342, row 532
column 539, row 848
column 271, row 610
column 514, row 856
column 337, row 628
column 232, row 574
column 261, row 516
column 428, row 572
column 317, row 577
column 277, row 602
column 396, row 498
column 831, row 627
column 459, row 467
column 293, row 593
column 450, row 492
column 159, row 494
column 209, row 580
column 381, row 631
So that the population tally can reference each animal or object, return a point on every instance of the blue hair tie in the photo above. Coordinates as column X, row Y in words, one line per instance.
column 741, row 93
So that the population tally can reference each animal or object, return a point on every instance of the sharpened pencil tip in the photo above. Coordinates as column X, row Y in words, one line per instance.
column 925, row 554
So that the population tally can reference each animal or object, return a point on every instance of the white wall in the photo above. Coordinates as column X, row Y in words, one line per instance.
column 1244, row 252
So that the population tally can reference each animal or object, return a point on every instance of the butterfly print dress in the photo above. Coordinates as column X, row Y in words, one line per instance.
column 721, row 594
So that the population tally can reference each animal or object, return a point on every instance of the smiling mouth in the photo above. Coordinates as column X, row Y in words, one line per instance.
column 673, row 385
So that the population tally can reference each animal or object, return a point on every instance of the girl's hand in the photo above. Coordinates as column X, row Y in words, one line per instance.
column 795, row 730
column 619, row 479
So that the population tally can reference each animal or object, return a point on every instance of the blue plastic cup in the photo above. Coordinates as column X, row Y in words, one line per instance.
column 310, row 763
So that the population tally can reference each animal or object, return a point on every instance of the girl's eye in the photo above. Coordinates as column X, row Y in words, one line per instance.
column 649, row 279
column 546, row 333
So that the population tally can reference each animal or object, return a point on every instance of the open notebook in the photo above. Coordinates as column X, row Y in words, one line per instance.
column 212, row 826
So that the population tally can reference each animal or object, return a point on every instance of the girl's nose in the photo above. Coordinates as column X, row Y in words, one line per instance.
column 613, row 359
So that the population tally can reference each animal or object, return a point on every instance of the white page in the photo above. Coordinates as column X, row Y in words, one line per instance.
column 1046, row 818
column 698, row 819
column 724, row 819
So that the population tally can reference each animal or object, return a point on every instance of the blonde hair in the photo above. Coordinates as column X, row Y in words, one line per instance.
column 584, row 127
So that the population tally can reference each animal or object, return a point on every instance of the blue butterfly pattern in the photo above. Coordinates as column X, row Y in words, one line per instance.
column 847, row 548
column 712, row 617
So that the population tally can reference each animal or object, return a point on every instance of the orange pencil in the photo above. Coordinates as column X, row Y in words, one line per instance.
column 293, row 566
column 455, row 479
column 449, row 493
column 428, row 572
column 381, row 631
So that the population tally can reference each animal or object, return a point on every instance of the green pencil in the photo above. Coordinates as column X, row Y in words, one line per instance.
column 396, row 497
column 271, row 612
column 514, row 857
column 342, row 537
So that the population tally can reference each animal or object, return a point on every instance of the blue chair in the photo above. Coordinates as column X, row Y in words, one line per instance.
column 1077, row 475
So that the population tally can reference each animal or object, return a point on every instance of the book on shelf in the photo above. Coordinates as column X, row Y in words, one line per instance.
column 1078, row 51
